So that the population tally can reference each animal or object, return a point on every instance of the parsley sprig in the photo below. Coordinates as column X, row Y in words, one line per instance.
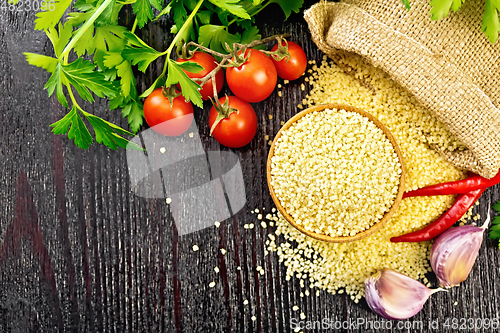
column 495, row 228
column 490, row 23
column 108, row 52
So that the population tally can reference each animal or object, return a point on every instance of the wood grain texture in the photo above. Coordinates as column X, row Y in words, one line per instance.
column 81, row 253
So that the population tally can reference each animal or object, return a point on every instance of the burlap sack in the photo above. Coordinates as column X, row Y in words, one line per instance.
column 449, row 65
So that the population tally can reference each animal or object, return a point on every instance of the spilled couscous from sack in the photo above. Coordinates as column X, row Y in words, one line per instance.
column 342, row 267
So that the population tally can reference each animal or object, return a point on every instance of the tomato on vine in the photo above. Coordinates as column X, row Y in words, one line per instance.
column 168, row 117
column 255, row 79
column 293, row 67
column 208, row 63
column 233, row 123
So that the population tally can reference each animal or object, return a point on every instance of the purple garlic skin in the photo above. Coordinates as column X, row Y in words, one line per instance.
column 454, row 252
column 396, row 296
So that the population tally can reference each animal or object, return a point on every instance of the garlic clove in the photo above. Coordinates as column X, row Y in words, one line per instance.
column 454, row 253
column 396, row 296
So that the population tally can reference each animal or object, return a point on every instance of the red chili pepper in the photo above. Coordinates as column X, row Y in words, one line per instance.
column 475, row 182
column 444, row 222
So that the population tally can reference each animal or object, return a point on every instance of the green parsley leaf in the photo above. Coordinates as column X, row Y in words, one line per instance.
column 249, row 35
column 86, row 43
column 289, row 6
column 48, row 18
column 60, row 37
column 233, row 7
column 165, row 11
column 43, row 61
column 190, row 66
column 215, row 37
column 78, row 131
column 139, row 52
column 81, row 75
column 189, row 88
column 159, row 82
column 124, row 71
column 406, row 3
column 158, row 4
column 441, row 8
column 135, row 115
column 55, row 82
column 180, row 17
column 108, row 38
column 108, row 133
column 144, row 13
column 495, row 224
column 491, row 23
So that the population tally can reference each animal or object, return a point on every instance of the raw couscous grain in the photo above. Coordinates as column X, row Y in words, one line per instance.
column 335, row 172
column 342, row 267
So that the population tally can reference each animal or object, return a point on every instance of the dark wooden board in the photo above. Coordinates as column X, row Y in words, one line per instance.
column 81, row 253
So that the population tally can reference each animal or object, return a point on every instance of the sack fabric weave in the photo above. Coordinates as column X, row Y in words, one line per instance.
column 449, row 65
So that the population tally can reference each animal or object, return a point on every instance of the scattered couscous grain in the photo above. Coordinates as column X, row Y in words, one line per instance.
column 195, row 248
column 163, row 150
column 295, row 308
column 302, row 315
column 280, row 93
column 216, row 269
column 223, row 251
column 270, row 116
column 168, row 201
column 282, row 123
column 302, row 87
column 211, row 284
column 342, row 267
column 191, row 134
column 253, row 318
column 266, row 137
column 217, row 224
column 286, row 81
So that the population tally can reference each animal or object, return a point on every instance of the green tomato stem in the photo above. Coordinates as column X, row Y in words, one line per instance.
column 83, row 29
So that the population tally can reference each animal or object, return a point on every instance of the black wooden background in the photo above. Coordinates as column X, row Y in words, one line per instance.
column 81, row 253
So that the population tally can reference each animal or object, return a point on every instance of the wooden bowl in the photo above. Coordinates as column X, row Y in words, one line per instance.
column 339, row 239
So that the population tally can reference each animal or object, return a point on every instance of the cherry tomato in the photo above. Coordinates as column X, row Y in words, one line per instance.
column 255, row 80
column 237, row 130
column 167, row 120
column 208, row 63
column 296, row 65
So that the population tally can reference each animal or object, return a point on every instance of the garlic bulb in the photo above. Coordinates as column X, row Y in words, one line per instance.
column 454, row 252
column 393, row 295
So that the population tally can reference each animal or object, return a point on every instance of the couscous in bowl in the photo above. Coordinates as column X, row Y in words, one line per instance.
column 358, row 188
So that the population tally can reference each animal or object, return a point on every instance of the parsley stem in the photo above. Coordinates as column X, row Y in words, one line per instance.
column 183, row 28
column 70, row 92
column 83, row 29
column 134, row 26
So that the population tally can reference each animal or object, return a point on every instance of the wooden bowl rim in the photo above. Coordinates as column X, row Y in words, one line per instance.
column 338, row 239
